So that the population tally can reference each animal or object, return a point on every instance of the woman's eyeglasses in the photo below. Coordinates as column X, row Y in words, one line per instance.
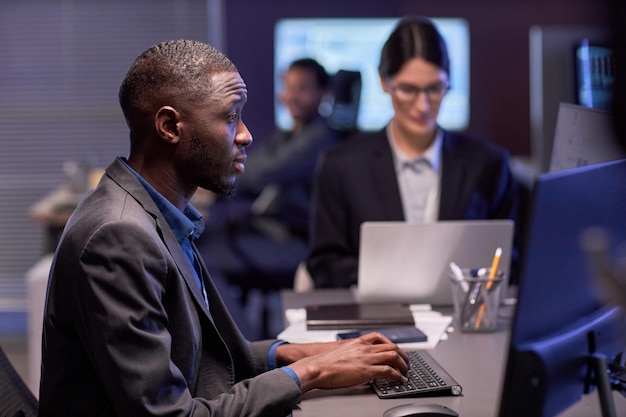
column 408, row 93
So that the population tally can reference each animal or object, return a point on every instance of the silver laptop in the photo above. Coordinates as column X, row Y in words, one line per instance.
column 409, row 262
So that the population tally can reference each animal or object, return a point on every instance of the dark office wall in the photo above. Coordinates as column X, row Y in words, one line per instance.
column 60, row 68
column 499, row 51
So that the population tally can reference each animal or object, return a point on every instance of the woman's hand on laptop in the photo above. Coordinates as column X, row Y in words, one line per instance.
column 344, row 363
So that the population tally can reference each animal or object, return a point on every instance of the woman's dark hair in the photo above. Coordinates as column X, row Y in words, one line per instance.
column 413, row 37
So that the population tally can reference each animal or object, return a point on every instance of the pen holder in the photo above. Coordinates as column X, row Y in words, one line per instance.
column 476, row 301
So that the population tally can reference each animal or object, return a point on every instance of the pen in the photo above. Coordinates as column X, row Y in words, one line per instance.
column 457, row 273
column 470, row 302
column 492, row 275
column 476, row 287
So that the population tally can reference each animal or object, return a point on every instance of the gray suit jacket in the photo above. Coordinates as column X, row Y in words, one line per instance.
column 126, row 330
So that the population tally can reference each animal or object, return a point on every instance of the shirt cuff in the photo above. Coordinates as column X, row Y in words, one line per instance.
column 271, row 355
column 292, row 374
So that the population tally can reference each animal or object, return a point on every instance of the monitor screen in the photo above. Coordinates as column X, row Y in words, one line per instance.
column 595, row 75
column 354, row 44
column 560, row 319
column 552, row 79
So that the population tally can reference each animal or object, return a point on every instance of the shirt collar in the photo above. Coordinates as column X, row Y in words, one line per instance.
column 432, row 154
column 186, row 224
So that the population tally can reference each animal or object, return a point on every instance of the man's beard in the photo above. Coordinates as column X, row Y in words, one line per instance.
column 220, row 187
column 203, row 158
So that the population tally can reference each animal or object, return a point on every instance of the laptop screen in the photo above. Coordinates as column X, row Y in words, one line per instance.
column 415, row 257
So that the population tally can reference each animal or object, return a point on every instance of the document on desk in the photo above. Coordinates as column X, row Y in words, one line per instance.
column 432, row 323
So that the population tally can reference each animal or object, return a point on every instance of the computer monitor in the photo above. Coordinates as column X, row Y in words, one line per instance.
column 561, row 324
column 552, row 78
column 354, row 44
column 595, row 75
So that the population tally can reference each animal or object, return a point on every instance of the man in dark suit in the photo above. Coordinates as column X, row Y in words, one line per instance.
column 412, row 170
column 133, row 325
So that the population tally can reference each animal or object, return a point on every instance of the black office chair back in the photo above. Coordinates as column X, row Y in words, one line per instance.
column 16, row 399
column 346, row 95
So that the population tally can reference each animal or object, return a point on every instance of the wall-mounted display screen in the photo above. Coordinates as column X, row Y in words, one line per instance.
column 354, row 44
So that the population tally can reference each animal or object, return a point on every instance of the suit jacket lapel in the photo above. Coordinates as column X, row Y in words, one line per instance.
column 384, row 178
column 185, row 269
column 215, row 300
column 453, row 170
column 118, row 172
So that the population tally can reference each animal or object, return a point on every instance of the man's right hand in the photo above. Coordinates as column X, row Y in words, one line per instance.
column 352, row 362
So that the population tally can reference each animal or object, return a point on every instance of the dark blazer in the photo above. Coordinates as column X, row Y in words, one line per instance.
column 126, row 330
column 356, row 182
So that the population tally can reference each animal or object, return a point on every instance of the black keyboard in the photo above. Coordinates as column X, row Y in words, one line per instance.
column 425, row 376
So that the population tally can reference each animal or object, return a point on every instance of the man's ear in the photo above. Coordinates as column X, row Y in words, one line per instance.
column 166, row 122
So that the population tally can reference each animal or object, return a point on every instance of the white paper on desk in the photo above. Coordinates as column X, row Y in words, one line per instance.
column 431, row 323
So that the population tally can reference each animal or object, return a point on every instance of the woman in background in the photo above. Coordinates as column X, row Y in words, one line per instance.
column 412, row 170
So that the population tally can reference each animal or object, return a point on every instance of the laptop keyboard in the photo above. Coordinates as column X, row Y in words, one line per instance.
column 425, row 376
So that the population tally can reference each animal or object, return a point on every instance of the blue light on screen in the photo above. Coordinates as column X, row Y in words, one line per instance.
column 594, row 75
column 354, row 44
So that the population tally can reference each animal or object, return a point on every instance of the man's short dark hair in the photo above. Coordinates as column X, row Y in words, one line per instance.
column 170, row 70
column 309, row 64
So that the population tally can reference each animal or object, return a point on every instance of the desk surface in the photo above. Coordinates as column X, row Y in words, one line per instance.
column 476, row 361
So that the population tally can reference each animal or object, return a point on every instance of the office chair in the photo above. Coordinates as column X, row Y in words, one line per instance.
column 346, row 95
column 16, row 399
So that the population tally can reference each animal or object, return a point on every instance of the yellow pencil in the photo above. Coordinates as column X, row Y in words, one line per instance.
column 492, row 274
